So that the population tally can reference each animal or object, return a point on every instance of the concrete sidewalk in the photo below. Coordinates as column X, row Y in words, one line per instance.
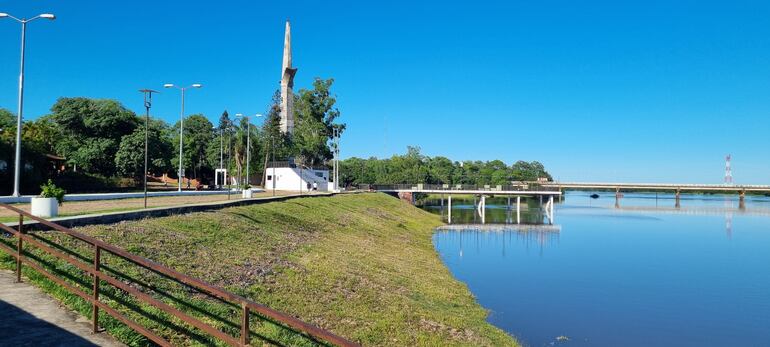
column 32, row 318
column 113, row 196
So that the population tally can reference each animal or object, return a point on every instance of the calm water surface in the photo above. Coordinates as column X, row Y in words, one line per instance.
column 642, row 273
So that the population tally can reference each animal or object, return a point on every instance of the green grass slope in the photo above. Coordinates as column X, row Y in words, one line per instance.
column 362, row 266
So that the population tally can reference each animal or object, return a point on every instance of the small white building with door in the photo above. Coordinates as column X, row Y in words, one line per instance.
column 295, row 179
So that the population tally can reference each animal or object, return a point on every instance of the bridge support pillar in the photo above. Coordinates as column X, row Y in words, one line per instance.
column 678, row 195
column 449, row 201
column 742, row 200
column 550, row 209
column 518, row 210
column 618, row 195
column 482, row 208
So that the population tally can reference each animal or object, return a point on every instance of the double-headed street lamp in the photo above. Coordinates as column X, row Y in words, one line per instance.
column 181, row 126
column 17, row 162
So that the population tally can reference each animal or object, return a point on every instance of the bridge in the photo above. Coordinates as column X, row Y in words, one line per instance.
column 655, row 187
column 677, row 189
column 549, row 190
column 406, row 192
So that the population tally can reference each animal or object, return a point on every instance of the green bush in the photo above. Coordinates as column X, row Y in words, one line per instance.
column 50, row 190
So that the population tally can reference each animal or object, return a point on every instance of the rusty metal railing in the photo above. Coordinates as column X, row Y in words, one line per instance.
column 247, row 306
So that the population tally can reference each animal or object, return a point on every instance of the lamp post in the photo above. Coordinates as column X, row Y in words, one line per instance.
column 147, row 104
column 181, row 127
column 19, row 115
column 248, row 141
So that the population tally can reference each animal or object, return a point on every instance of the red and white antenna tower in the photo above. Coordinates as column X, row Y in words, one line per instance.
column 728, row 171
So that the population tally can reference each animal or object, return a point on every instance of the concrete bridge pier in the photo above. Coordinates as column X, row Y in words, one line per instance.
column 449, row 211
column 549, row 210
column 742, row 200
column 678, row 194
column 482, row 209
column 518, row 210
column 618, row 195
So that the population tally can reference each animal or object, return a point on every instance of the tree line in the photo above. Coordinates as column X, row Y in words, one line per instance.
column 414, row 167
column 101, row 143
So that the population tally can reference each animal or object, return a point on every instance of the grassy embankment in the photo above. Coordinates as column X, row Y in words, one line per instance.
column 362, row 266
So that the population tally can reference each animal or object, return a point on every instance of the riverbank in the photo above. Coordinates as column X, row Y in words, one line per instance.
column 360, row 265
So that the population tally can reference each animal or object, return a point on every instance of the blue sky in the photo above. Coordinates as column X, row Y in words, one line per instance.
column 654, row 91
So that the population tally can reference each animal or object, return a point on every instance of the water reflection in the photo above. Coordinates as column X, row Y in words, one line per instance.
column 644, row 273
column 500, row 237
column 497, row 210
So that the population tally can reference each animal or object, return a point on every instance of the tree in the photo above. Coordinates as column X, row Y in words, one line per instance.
column 7, row 124
column 441, row 170
column 240, row 151
column 197, row 138
column 218, row 149
column 271, row 130
column 41, row 134
column 91, row 132
column 524, row 171
column 129, row 159
column 414, row 167
column 315, row 125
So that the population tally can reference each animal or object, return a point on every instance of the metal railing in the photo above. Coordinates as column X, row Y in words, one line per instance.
column 524, row 186
column 94, row 269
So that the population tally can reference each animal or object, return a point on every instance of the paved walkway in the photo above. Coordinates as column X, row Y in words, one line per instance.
column 29, row 317
column 114, row 196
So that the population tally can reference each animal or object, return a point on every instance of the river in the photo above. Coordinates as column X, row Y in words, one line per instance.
column 633, row 272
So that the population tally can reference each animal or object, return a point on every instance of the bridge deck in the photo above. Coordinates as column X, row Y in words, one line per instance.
column 473, row 192
column 658, row 186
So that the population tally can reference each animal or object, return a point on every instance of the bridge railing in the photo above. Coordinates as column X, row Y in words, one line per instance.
column 108, row 281
column 523, row 186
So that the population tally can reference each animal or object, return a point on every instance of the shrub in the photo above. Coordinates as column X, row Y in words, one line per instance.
column 50, row 190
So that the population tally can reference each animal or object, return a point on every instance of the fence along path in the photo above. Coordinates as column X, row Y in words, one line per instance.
column 247, row 307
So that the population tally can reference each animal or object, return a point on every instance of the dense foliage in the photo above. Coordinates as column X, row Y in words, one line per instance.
column 414, row 167
column 100, row 140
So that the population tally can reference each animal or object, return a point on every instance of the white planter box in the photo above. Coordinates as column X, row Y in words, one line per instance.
column 45, row 207
column 247, row 194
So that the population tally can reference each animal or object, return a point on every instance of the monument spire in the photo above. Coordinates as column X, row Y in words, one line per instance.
column 287, row 84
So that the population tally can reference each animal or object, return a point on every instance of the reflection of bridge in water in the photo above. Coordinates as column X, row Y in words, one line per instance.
column 698, row 211
column 728, row 210
column 540, row 235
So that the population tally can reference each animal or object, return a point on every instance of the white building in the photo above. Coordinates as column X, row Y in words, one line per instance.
column 294, row 179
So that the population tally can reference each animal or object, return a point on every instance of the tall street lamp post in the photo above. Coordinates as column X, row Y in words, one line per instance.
column 147, row 104
column 248, row 142
column 181, row 127
column 19, row 115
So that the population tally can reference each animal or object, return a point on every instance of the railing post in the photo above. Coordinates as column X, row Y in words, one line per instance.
column 245, row 325
column 19, row 247
column 95, row 310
